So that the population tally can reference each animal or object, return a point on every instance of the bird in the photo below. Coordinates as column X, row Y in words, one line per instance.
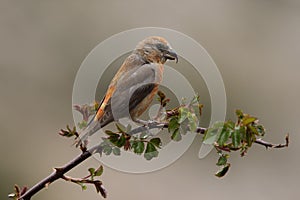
column 134, row 86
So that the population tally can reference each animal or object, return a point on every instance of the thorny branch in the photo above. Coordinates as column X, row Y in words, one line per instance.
column 58, row 173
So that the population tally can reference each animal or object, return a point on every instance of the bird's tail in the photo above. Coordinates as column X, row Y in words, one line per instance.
column 92, row 127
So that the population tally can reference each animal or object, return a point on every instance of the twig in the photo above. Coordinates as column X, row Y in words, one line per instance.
column 269, row 145
column 98, row 184
column 59, row 173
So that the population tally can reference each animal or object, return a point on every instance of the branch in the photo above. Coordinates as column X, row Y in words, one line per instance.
column 98, row 184
column 269, row 145
column 59, row 172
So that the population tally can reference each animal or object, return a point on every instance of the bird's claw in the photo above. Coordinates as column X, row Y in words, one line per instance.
column 147, row 124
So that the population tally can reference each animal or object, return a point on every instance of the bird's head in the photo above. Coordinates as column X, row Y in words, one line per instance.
column 156, row 50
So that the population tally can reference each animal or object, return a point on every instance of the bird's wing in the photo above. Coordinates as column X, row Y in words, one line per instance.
column 144, row 74
column 92, row 127
column 132, row 88
column 140, row 94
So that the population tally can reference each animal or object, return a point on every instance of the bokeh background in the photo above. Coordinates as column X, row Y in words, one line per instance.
column 254, row 43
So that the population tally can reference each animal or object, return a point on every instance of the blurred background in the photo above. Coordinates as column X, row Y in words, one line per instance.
column 254, row 43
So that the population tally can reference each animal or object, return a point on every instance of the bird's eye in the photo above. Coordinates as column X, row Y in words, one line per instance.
column 161, row 47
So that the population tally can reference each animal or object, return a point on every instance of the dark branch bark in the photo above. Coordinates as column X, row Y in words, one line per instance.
column 269, row 145
column 59, row 172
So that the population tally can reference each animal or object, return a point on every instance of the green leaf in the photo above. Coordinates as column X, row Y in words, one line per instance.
column 253, row 129
column 128, row 128
column 82, row 124
column 156, row 142
column 250, row 138
column 121, row 141
column 184, row 127
column 236, row 138
column 121, row 127
column 138, row 147
column 99, row 171
column 176, row 136
column 261, row 130
column 173, row 125
column 183, row 114
column 211, row 135
column 243, row 133
column 248, row 120
column 68, row 132
column 239, row 114
column 222, row 160
column 116, row 151
column 173, row 128
column 230, row 124
column 218, row 125
column 224, row 136
column 150, row 152
column 223, row 171
column 83, row 186
column 193, row 121
column 110, row 133
column 114, row 138
column 107, row 150
column 196, row 99
column 92, row 171
column 144, row 135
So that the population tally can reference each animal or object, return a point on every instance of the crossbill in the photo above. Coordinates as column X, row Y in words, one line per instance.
column 134, row 86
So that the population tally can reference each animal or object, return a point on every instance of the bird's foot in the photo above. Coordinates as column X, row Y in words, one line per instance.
column 145, row 123
column 148, row 126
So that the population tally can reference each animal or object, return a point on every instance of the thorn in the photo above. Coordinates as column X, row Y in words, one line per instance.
column 47, row 185
column 83, row 146
column 287, row 139
column 24, row 189
column 57, row 169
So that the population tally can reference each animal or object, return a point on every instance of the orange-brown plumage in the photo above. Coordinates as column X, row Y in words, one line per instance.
column 134, row 86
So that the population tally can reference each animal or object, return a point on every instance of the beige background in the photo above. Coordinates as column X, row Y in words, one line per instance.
column 254, row 43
